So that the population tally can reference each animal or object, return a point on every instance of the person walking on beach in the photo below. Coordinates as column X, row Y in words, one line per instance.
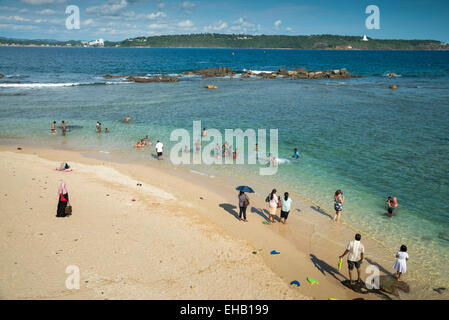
column 339, row 199
column 272, row 205
column 243, row 204
column 285, row 208
column 159, row 147
column 400, row 265
column 63, row 200
column 356, row 251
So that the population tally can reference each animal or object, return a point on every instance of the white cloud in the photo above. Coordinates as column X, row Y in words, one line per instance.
column 157, row 26
column 112, row 7
column 187, row 6
column 156, row 15
column 243, row 26
column 46, row 11
column 88, row 22
column 277, row 23
column 41, row 2
column 19, row 18
column 185, row 24
column 217, row 26
column 17, row 27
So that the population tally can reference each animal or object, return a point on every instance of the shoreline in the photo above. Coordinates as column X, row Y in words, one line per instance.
column 309, row 242
column 231, row 48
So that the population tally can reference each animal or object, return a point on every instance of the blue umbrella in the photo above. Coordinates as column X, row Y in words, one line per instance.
column 245, row 189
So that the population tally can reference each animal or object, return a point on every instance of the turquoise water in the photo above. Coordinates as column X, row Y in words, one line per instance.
column 356, row 135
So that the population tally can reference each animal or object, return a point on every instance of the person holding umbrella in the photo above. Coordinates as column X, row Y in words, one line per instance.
column 243, row 201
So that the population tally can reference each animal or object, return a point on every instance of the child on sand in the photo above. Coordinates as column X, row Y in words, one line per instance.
column 400, row 265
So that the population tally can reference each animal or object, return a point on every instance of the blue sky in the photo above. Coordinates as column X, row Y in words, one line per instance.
column 121, row 19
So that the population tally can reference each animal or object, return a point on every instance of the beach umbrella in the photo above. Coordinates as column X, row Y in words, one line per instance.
column 245, row 189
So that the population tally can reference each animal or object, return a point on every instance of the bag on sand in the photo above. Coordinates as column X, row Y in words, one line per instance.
column 267, row 199
column 68, row 210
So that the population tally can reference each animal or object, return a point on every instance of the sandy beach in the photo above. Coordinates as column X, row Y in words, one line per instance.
column 174, row 237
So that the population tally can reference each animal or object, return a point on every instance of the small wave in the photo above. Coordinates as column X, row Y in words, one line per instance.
column 388, row 74
column 259, row 71
column 38, row 85
column 58, row 85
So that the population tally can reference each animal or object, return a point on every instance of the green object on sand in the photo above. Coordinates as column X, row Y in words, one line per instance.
column 266, row 222
column 312, row 281
column 339, row 264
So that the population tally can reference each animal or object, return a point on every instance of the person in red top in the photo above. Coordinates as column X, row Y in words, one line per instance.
column 63, row 200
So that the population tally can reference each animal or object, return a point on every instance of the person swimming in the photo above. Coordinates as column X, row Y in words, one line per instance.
column 106, row 130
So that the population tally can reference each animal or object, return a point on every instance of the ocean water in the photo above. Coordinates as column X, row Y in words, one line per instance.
column 353, row 134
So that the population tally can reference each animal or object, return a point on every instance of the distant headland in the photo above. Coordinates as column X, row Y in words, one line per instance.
column 241, row 41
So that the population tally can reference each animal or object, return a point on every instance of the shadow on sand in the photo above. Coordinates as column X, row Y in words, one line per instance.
column 324, row 268
column 321, row 211
column 261, row 212
column 229, row 208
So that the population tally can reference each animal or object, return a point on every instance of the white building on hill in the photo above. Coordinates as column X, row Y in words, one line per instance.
column 98, row 42
column 365, row 38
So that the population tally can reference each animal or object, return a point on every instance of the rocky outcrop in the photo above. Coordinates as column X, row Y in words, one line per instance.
column 108, row 76
column 157, row 78
column 1, row 75
column 302, row 73
column 211, row 72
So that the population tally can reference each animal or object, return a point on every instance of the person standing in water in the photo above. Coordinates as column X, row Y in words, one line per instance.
column 400, row 265
column 243, row 204
column 98, row 127
column 63, row 200
column 392, row 204
column 272, row 205
column 63, row 127
column 339, row 199
column 53, row 128
column 159, row 147
column 285, row 208
column 204, row 132
column 295, row 154
column 127, row 119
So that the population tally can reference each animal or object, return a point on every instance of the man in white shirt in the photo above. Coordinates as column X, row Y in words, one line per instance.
column 159, row 147
column 356, row 250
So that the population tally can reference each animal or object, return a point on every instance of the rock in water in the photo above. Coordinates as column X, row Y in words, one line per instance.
column 108, row 76
column 390, row 285
column 1, row 75
column 443, row 236
column 158, row 78
column 211, row 72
